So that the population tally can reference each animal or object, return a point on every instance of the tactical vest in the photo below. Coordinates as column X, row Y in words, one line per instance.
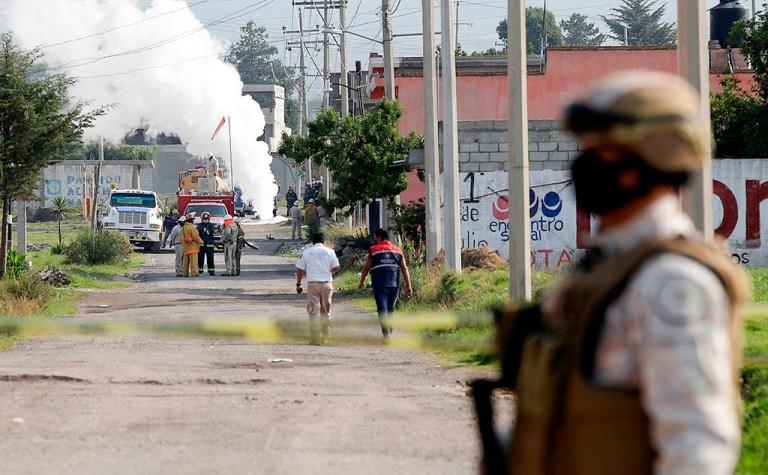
column 565, row 423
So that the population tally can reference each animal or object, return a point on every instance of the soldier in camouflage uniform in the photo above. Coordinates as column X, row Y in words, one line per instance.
column 630, row 364
column 240, row 245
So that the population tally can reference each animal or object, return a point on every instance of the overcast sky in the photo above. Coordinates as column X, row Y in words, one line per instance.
column 477, row 32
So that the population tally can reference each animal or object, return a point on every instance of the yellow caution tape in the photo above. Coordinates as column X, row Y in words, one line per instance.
column 411, row 331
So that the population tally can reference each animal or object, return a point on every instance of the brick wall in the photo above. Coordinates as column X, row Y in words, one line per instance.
column 483, row 146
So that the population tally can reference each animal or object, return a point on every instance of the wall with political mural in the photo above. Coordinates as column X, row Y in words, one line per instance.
column 739, row 200
column 66, row 179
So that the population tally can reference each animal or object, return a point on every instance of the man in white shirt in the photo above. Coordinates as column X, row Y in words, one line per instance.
column 319, row 264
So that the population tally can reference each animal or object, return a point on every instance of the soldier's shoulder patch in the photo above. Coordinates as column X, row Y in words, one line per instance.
column 680, row 291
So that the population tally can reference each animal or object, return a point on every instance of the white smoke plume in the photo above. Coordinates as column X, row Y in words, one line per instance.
column 159, row 66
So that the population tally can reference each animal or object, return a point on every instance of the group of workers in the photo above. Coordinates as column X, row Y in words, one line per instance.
column 195, row 244
column 310, row 216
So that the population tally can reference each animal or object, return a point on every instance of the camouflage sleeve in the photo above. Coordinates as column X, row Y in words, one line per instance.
column 684, row 366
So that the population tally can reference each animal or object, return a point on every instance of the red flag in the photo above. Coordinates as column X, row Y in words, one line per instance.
column 221, row 124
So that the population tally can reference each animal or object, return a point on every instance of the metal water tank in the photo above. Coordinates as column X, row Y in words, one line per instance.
column 722, row 17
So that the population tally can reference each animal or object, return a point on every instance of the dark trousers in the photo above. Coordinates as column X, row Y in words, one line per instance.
column 386, row 302
column 238, row 256
column 206, row 252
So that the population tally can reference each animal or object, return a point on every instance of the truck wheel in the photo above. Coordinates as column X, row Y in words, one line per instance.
column 155, row 248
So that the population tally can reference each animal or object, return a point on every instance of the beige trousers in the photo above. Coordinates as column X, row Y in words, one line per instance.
column 179, row 258
column 319, row 298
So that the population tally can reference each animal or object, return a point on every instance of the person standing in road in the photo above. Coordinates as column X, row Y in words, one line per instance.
column 190, row 242
column 290, row 199
column 312, row 217
column 385, row 263
column 168, row 224
column 295, row 213
column 175, row 238
column 319, row 264
column 240, row 244
column 229, row 239
column 206, row 230
column 631, row 363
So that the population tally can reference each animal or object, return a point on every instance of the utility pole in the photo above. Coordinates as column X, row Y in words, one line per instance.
column 457, row 25
column 450, row 142
column 389, row 67
column 326, row 57
column 431, row 153
column 304, row 102
column 343, row 80
column 692, row 62
column 96, row 186
column 517, row 166
column 21, row 226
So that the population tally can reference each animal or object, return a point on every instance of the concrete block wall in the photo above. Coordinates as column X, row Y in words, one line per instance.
column 483, row 146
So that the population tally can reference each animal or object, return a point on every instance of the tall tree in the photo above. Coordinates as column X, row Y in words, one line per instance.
column 580, row 32
column 359, row 152
column 738, row 113
column 641, row 19
column 256, row 60
column 752, row 36
column 37, row 119
column 534, row 22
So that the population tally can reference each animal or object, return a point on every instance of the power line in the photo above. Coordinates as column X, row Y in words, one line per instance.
column 73, row 40
column 86, row 61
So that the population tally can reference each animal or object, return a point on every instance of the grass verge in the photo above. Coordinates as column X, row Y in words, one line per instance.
column 477, row 292
column 63, row 301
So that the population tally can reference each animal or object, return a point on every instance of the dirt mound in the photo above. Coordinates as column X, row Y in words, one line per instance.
column 481, row 258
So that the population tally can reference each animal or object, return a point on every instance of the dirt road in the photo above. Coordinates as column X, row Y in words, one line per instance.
column 105, row 404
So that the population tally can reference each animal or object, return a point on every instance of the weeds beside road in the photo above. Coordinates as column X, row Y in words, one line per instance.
column 477, row 292
column 27, row 295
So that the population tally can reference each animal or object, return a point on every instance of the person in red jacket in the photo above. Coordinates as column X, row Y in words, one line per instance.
column 385, row 262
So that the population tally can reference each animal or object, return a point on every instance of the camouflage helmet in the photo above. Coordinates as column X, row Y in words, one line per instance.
column 655, row 114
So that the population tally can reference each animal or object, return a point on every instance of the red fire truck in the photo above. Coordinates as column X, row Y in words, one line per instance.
column 199, row 193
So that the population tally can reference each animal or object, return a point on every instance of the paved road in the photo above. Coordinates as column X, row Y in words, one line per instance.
column 173, row 405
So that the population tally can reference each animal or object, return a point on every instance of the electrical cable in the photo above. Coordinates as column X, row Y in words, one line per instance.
column 73, row 40
column 86, row 61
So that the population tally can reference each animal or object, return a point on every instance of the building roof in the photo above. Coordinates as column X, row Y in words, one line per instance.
column 273, row 88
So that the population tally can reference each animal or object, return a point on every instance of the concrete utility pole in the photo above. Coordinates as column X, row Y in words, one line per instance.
column 96, row 186
column 693, row 65
column 21, row 226
column 450, row 142
column 431, row 153
column 517, row 167
column 304, row 102
column 326, row 57
column 389, row 66
column 457, row 25
column 344, row 88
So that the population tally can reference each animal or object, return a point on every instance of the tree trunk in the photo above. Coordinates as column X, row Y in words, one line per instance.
column 59, row 220
column 4, row 235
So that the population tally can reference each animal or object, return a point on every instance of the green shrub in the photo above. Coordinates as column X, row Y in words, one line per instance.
column 58, row 250
column 448, row 290
column 29, row 286
column 100, row 247
column 15, row 265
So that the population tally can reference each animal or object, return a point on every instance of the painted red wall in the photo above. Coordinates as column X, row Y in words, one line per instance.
column 569, row 73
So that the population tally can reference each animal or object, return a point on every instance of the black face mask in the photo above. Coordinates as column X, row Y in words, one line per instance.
column 597, row 184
